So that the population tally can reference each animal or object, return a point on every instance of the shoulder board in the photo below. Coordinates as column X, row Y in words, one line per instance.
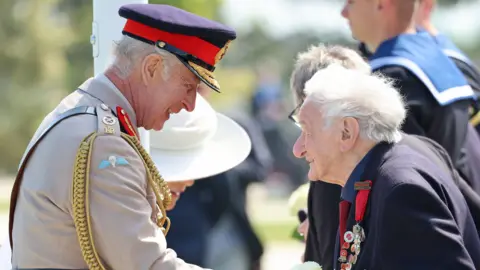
column 65, row 115
column 108, row 123
column 444, row 97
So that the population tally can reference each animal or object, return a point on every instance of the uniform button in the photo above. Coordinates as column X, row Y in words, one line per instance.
column 104, row 107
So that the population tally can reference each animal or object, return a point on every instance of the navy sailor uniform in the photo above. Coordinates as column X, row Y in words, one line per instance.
column 437, row 95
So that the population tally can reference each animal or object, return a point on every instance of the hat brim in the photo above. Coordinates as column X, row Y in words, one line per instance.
column 229, row 146
column 203, row 74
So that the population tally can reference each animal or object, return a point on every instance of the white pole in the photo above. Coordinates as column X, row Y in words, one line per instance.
column 106, row 28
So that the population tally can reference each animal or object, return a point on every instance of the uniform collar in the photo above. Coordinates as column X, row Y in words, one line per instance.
column 103, row 89
column 348, row 191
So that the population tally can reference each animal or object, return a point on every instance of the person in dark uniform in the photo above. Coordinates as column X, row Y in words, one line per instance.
column 323, row 198
column 461, row 60
column 351, row 137
column 222, row 236
column 437, row 94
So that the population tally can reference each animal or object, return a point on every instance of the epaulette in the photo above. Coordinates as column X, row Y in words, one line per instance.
column 107, row 122
column 116, row 125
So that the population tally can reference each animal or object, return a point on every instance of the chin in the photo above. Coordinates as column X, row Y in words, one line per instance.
column 312, row 175
column 158, row 125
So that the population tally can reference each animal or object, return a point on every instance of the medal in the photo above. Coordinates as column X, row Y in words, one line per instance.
column 350, row 244
column 348, row 237
column 357, row 228
column 357, row 249
column 352, row 259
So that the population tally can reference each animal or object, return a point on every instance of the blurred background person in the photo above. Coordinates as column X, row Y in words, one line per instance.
column 438, row 96
column 222, row 236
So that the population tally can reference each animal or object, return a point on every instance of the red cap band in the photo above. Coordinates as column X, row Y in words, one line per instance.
column 198, row 47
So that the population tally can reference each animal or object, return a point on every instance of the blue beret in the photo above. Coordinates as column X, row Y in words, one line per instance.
column 198, row 42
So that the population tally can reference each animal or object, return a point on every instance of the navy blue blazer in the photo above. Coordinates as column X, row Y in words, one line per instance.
column 416, row 216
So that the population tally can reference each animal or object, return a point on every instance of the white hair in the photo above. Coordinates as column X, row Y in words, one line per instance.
column 319, row 57
column 370, row 98
column 128, row 52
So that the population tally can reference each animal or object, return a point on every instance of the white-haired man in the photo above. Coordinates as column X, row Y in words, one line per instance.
column 323, row 198
column 400, row 210
column 87, row 195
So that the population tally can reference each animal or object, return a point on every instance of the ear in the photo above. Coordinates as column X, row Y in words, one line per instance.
column 350, row 132
column 151, row 67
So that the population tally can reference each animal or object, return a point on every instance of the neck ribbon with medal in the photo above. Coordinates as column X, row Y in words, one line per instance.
column 350, row 244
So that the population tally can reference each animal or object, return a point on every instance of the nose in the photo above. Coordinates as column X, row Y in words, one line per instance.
column 299, row 147
column 189, row 101
column 344, row 12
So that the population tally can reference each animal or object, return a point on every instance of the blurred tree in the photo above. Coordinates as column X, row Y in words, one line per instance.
column 80, row 16
column 33, row 39
column 46, row 53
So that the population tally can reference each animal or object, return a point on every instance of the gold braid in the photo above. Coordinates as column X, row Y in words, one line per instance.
column 81, row 206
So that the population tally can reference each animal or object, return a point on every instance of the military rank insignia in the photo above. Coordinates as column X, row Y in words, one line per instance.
column 125, row 122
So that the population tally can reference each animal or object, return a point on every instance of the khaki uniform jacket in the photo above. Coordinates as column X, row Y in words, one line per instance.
column 124, row 234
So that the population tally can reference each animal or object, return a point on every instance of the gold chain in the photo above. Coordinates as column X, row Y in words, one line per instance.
column 81, row 206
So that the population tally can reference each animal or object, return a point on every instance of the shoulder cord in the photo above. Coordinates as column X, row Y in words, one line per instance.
column 81, row 207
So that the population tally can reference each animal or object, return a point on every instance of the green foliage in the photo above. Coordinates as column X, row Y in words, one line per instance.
column 32, row 60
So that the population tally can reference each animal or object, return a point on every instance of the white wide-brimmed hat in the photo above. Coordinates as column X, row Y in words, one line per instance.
column 198, row 144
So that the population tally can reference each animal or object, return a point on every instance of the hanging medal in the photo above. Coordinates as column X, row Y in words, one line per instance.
column 351, row 240
column 361, row 200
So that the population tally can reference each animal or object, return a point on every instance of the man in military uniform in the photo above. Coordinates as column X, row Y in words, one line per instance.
column 87, row 195
column 437, row 94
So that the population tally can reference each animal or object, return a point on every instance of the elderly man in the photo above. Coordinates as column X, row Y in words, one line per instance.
column 323, row 198
column 87, row 195
column 351, row 137
column 437, row 94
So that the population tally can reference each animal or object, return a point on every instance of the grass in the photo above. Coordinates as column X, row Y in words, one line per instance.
column 4, row 206
column 275, row 232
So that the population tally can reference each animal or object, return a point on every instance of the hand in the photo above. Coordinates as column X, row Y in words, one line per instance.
column 177, row 188
column 303, row 229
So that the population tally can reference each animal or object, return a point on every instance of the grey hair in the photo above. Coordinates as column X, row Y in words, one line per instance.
column 370, row 98
column 319, row 57
column 129, row 51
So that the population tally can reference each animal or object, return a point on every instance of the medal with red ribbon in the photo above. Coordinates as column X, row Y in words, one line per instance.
column 351, row 240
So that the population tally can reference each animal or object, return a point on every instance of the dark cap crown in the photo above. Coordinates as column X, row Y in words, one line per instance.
column 198, row 42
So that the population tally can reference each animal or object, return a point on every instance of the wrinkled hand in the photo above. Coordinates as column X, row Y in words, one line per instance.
column 303, row 229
